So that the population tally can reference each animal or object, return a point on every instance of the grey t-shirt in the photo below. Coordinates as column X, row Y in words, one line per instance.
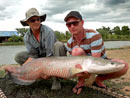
column 44, row 47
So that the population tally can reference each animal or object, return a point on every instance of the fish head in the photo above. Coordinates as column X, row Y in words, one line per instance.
column 101, row 66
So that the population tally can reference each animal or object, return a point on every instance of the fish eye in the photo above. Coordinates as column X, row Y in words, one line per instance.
column 112, row 63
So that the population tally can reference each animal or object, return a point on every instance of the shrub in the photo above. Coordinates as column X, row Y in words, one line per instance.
column 15, row 38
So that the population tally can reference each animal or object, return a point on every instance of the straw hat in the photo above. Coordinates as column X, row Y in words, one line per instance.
column 30, row 13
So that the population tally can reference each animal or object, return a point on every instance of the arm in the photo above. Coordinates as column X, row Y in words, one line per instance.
column 28, row 60
column 97, row 45
column 33, row 51
column 96, row 54
column 50, row 39
column 68, row 46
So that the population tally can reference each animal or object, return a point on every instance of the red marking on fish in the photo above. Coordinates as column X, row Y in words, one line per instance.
column 78, row 66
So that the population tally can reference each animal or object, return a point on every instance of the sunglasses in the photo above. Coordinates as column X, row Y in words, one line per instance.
column 74, row 23
column 34, row 20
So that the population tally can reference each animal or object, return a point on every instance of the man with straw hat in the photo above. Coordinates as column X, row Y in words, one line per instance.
column 40, row 41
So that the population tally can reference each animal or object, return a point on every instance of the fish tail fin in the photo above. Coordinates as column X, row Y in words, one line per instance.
column 19, row 81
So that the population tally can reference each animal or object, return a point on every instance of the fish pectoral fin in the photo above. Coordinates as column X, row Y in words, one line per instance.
column 91, row 79
column 74, row 71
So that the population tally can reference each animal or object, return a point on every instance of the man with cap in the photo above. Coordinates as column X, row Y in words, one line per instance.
column 87, row 42
column 40, row 41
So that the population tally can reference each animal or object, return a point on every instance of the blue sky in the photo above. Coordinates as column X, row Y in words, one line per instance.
column 96, row 13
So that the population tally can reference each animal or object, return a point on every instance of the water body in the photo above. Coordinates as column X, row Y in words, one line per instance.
column 116, row 44
column 7, row 53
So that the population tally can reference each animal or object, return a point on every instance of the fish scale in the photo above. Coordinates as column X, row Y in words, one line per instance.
column 59, row 67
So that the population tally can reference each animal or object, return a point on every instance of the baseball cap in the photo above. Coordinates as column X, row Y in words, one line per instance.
column 75, row 14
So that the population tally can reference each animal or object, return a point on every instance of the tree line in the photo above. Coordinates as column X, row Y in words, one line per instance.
column 108, row 34
column 116, row 33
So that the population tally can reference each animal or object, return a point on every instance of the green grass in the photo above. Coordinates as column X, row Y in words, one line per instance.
column 2, row 73
column 41, row 89
column 11, row 43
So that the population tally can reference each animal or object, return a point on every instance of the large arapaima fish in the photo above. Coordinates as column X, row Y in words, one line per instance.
column 63, row 67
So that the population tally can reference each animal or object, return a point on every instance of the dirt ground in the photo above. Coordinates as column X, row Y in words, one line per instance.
column 123, row 54
column 41, row 89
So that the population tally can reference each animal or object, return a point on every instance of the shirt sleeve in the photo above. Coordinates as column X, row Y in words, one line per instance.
column 68, row 47
column 97, row 45
column 49, row 42
column 33, row 52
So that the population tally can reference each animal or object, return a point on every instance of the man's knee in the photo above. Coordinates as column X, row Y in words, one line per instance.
column 21, row 57
column 78, row 52
column 58, row 44
column 59, row 49
column 125, row 69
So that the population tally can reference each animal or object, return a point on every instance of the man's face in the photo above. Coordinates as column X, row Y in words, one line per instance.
column 74, row 25
column 34, row 23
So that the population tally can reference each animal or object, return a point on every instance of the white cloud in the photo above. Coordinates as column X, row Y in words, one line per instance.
column 56, row 26
column 96, row 13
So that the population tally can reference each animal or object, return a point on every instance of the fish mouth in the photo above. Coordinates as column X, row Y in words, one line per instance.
column 19, row 81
